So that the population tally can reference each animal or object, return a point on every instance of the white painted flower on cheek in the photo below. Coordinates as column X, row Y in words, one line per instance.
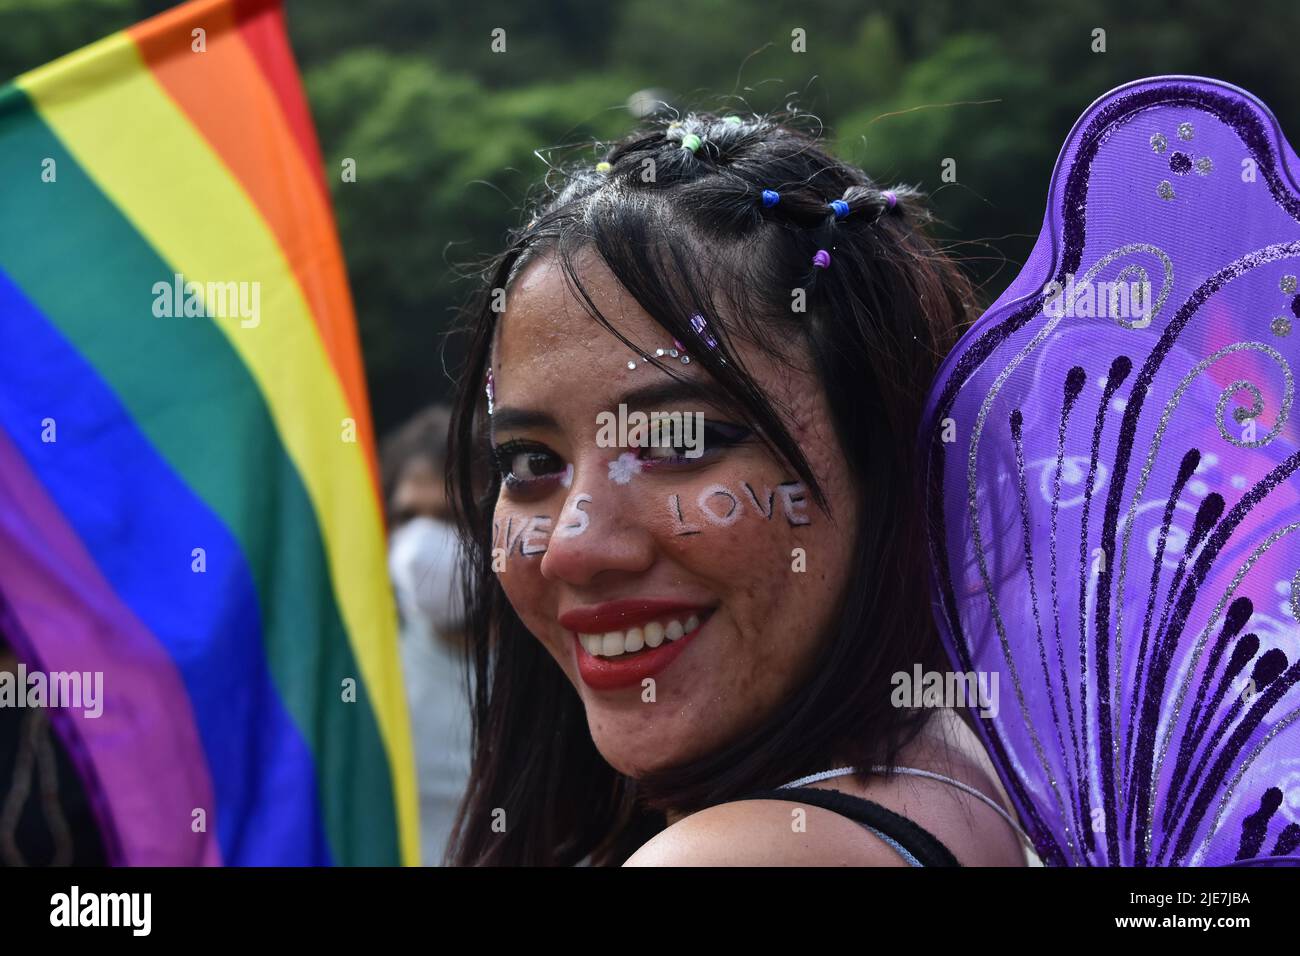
column 622, row 468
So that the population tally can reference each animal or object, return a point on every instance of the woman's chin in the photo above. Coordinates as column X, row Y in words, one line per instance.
column 634, row 761
column 643, row 751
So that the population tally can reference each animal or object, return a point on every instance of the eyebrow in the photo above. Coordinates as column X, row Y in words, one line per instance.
column 656, row 393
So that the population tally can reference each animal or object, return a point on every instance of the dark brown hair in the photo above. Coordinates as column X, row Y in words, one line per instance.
column 687, row 231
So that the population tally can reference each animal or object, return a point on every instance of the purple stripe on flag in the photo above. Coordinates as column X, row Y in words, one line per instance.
column 141, row 759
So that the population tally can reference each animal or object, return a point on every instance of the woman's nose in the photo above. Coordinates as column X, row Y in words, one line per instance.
column 600, row 527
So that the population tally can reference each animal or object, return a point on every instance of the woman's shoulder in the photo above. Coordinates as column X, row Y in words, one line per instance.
column 952, row 763
column 765, row 833
column 781, row 833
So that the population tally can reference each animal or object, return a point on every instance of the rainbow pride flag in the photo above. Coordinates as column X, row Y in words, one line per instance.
column 188, row 493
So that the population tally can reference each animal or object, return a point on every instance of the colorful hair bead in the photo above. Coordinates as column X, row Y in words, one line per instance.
column 691, row 141
column 731, row 120
column 840, row 206
column 603, row 167
column 822, row 260
column 702, row 329
column 770, row 198
column 890, row 197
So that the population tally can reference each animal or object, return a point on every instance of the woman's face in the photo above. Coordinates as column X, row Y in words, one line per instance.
column 684, row 597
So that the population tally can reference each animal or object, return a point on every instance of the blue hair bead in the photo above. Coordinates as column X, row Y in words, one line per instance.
column 841, row 208
column 770, row 198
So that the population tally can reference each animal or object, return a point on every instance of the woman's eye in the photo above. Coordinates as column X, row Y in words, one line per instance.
column 521, row 463
column 712, row 438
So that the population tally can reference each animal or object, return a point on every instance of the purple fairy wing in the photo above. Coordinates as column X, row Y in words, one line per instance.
column 1112, row 491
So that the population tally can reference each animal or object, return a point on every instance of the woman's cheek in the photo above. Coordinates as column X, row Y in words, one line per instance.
column 520, row 537
column 745, row 527
column 747, row 533
column 738, row 517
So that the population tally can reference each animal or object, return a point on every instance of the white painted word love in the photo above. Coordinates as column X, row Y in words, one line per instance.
column 722, row 507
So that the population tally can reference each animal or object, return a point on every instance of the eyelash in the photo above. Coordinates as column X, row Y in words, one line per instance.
column 503, row 460
column 717, row 436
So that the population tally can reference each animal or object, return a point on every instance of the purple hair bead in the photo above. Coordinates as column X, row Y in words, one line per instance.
column 702, row 328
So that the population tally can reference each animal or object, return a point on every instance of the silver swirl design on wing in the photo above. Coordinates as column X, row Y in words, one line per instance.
column 1126, row 276
column 1241, row 414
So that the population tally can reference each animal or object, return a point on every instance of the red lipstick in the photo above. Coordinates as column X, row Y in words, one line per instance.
column 623, row 614
column 628, row 670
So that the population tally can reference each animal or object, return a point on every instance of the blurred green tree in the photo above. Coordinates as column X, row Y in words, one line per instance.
column 446, row 134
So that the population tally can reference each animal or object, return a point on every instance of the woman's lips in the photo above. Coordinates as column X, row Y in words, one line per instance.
column 628, row 669
column 626, row 613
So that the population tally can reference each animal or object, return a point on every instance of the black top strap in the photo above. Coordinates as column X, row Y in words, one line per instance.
column 920, row 842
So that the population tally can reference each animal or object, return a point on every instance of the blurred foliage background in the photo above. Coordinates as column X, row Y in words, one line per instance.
column 443, row 130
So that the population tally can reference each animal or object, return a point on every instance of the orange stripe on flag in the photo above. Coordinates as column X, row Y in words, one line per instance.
column 225, row 91
column 267, row 35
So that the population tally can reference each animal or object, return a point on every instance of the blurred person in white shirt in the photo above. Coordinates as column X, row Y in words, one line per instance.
column 423, row 562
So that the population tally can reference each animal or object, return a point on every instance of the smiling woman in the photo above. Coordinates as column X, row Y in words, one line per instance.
column 662, row 638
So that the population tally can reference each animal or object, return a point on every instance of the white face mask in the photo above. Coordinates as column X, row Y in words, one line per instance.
column 424, row 561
